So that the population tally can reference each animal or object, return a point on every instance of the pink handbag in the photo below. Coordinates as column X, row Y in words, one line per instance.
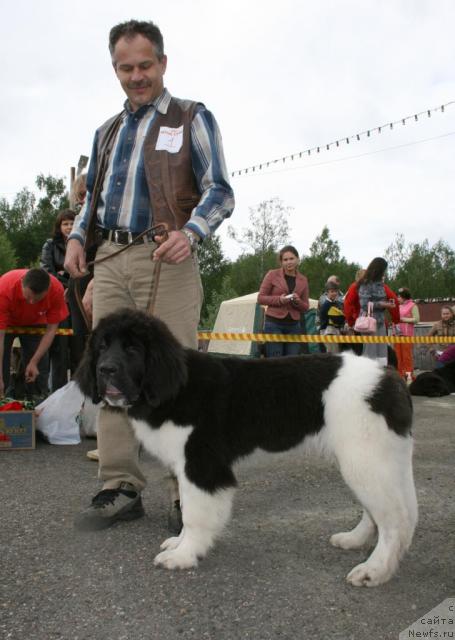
column 366, row 323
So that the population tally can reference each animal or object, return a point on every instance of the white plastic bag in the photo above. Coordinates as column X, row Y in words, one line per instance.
column 58, row 415
column 88, row 418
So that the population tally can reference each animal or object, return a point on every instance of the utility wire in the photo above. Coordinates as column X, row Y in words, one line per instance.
column 341, row 141
column 359, row 155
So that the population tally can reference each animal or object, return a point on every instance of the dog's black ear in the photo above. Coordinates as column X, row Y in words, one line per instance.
column 85, row 375
column 165, row 366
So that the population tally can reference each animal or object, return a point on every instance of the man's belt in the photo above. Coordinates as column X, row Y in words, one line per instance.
column 121, row 236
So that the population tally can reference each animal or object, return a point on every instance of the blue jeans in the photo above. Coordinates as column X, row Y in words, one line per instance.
column 276, row 349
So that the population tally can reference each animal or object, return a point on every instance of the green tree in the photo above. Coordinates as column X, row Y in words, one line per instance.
column 7, row 255
column 248, row 271
column 396, row 255
column 267, row 231
column 324, row 248
column 428, row 271
column 444, row 257
column 14, row 217
column 28, row 222
column 325, row 260
column 213, row 267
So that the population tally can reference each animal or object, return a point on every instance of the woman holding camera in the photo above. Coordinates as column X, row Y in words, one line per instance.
column 285, row 292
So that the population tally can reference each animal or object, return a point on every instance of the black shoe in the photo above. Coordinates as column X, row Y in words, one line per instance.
column 174, row 518
column 110, row 506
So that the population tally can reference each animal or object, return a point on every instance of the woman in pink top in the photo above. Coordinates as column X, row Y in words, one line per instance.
column 409, row 317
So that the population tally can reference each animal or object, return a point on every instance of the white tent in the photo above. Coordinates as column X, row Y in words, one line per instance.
column 240, row 315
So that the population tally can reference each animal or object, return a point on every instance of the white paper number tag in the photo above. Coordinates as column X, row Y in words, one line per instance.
column 169, row 139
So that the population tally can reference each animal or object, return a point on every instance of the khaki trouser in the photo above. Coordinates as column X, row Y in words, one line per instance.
column 125, row 281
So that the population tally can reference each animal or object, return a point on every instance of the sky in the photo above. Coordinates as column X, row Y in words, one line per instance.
column 280, row 78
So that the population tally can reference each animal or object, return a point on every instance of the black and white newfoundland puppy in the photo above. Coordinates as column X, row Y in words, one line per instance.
column 199, row 414
column 436, row 383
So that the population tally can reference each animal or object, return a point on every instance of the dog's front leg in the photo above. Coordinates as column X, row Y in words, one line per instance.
column 204, row 517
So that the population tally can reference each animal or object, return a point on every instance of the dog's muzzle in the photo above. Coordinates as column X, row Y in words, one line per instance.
column 110, row 388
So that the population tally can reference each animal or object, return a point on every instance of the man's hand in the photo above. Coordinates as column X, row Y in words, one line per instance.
column 31, row 372
column 75, row 263
column 174, row 250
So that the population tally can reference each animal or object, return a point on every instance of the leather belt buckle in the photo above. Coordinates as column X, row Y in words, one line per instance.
column 99, row 237
column 121, row 237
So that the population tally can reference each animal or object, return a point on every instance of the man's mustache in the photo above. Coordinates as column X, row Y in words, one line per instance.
column 139, row 85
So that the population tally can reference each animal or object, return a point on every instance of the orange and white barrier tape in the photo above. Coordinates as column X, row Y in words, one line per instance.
column 273, row 337
column 30, row 331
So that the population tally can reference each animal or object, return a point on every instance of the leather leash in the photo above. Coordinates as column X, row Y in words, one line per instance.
column 155, row 230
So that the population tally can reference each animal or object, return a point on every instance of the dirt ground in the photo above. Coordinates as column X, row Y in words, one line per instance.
column 273, row 575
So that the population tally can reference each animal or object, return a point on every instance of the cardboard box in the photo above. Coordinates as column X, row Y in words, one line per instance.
column 17, row 430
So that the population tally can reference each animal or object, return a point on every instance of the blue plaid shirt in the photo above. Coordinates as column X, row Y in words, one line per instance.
column 124, row 201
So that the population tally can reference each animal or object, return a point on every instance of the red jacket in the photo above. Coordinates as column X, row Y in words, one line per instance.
column 352, row 304
column 274, row 285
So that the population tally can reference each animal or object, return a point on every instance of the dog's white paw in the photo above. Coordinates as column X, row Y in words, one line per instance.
column 367, row 575
column 347, row 540
column 171, row 543
column 176, row 559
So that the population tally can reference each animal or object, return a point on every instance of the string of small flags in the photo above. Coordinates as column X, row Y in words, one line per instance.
column 342, row 141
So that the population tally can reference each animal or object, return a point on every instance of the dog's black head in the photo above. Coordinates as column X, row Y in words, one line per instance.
column 132, row 356
column 430, row 384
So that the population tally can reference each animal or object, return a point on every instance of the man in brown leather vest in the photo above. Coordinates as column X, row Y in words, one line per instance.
column 159, row 161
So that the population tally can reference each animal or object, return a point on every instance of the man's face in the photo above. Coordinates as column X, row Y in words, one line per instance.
column 139, row 70
column 31, row 297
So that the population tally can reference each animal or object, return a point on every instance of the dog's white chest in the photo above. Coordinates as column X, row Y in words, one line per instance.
column 166, row 443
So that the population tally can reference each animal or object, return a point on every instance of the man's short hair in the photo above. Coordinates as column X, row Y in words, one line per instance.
column 133, row 28
column 37, row 280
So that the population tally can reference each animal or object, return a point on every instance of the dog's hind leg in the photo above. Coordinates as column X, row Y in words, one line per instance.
column 363, row 534
column 204, row 517
column 380, row 474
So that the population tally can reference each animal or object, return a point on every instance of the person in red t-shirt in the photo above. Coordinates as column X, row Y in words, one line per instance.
column 27, row 298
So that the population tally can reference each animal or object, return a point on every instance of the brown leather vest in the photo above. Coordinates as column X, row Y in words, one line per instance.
column 170, row 178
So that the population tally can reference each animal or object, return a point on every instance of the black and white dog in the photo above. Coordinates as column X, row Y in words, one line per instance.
column 199, row 414
column 436, row 383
